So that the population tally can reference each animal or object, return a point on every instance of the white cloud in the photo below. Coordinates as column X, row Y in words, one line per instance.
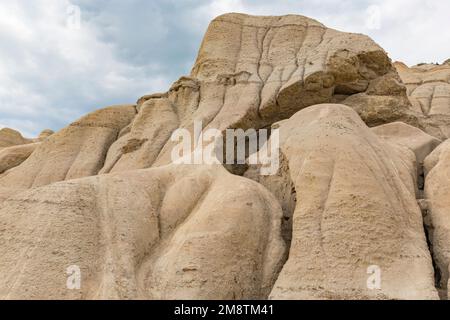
column 52, row 74
column 414, row 31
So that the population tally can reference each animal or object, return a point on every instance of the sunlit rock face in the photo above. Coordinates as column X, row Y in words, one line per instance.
column 428, row 89
column 338, row 219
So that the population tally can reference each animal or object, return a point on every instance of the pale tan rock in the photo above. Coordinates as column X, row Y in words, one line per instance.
column 177, row 232
column 437, row 192
column 428, row 89
column 250, row 72
column 356, row 208
column 384, row 101
column 140, row 146
column 10, row 137
column 435, row 125
column 103, row 195
column 421, row 143
column 76, row 151
column 13, row 156
column 432, row 159
column 45, row 134
column 432, row 98
column 145, row 98
column 376, row 110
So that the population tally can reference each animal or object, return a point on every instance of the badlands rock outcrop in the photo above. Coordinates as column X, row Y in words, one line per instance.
column 13, row 156
column 103, row 194
column 14, row 149
column 176, row 232
column 428, row 89
column 250, row 72
column 419, row 142
column 10, row 137
column 44, row 135
column 356, row 208
column 76, row 151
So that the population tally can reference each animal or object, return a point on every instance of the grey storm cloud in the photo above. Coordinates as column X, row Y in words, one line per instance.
column 51, row 74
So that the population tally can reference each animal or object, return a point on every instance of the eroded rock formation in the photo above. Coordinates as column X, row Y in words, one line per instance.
column 437, row 192
column 76, row 151
column 356, row 207
column 10, row 137
column 15, row 149
column 13, row 156
column 104, row 195
column 177, row 232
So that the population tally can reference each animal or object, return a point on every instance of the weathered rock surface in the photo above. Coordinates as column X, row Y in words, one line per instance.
column 428, row 88
column 250, row 72
column 437, row 192
column 421, row 143
column 10, row 137
column 355, row 208
column 103, row 194
column 13, row 156
column 45, row 134
column 177, row 232
column 78, row 150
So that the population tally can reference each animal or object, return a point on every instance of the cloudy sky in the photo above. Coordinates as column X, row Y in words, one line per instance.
column 55, row 67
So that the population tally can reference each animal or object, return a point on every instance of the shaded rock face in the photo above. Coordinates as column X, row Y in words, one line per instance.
column 104, row 195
